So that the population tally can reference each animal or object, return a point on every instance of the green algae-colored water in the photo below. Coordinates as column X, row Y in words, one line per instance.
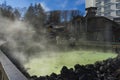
column 53, row 62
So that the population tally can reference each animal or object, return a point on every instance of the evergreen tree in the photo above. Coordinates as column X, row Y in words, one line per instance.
column 7, row 12
column 29, row 16
column 17, row 14
column 36, row 16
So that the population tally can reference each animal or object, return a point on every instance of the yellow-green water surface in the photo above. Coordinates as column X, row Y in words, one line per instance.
column 53, row 62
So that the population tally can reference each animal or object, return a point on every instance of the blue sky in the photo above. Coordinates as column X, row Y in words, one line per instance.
column 50, row 4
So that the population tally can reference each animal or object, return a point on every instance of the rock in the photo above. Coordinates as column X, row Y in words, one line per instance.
column 105, row 70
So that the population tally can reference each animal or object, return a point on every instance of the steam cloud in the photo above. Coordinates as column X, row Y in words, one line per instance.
column 20, row 39
column 23, row 41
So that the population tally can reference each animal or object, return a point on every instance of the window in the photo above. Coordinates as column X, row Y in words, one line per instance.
column 106, row 1
column 99, row 9
column 107, row 7
column 107, row 14
column 98, row 4
column 118, row 12
column 118, row 5
column 99, row 1
column 117, row 0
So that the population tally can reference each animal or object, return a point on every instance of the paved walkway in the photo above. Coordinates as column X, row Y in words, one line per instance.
column 12, row 72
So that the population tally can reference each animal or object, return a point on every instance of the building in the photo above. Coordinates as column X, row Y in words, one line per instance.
column 101, row 28
column 107, row 8
column 90, row 3
column 96, row 32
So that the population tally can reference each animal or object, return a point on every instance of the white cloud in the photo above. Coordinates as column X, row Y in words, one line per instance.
column 79, row 2
column 44, row 6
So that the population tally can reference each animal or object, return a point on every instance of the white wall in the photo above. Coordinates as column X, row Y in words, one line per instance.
column 90, row 3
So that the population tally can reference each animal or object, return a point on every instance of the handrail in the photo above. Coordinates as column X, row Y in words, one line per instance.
column 3, row 73
column 10, row 69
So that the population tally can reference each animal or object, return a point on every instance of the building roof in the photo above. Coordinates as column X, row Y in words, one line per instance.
column 91, row 8
column 102, row 17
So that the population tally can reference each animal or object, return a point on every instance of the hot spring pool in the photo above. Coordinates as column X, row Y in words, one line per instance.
column 53, row 62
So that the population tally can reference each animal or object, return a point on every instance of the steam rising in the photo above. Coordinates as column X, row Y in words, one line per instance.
column 23, row 41
column 19, row 38
column 29, row 47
